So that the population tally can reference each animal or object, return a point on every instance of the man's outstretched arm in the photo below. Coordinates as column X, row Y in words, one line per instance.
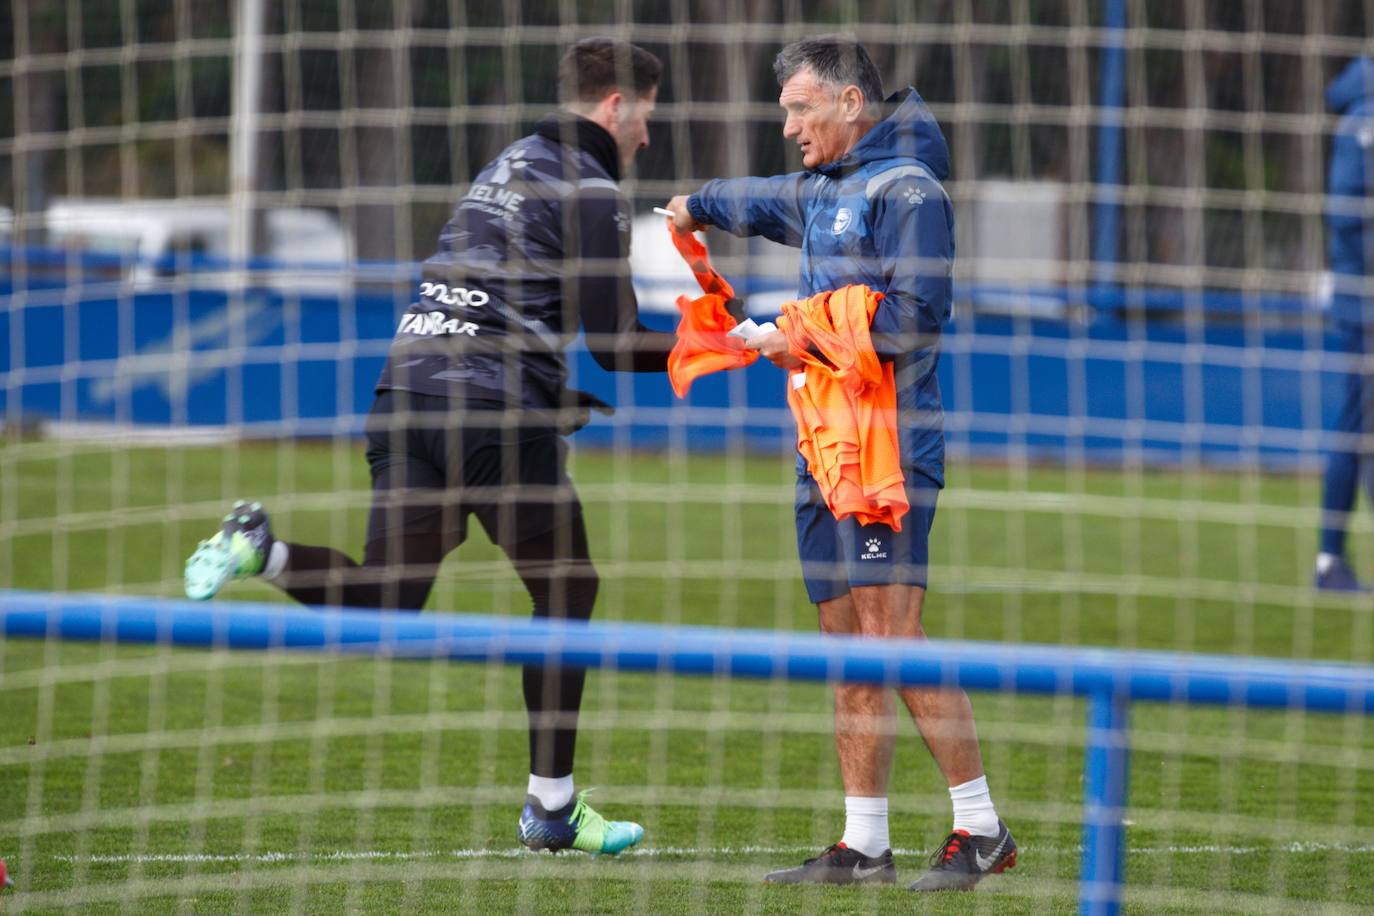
column 770, row 207
column 606, row 302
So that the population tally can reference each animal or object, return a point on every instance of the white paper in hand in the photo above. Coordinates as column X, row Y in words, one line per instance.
column 747, row 330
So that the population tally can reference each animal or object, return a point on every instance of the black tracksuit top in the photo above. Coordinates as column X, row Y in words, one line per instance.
column 538, row 247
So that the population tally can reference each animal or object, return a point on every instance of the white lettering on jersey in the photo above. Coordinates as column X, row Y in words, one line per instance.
column 506, row 201
column 458, row 295
column 434, row 324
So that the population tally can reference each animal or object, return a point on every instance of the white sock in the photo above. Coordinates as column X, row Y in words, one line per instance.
column 553, row 793
column 1325, row 561
column 973, row 810
column 276, row 560
column 865, row 825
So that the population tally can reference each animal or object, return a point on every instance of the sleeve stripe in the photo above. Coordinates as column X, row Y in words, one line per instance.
column 877, row 181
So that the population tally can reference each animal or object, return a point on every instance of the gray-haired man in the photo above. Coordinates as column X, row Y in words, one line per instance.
column 869, row 209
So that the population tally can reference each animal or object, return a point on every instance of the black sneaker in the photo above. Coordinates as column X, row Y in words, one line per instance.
column 1338, row 577
column 964, row 860
column 839, row 865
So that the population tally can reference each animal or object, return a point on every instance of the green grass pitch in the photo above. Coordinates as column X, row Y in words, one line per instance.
column 142, row 780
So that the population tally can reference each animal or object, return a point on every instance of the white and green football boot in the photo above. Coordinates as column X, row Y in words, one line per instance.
column 238, row 550
column 576, row 826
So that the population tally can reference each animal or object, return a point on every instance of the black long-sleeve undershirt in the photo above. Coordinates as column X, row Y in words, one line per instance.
column 606, row 303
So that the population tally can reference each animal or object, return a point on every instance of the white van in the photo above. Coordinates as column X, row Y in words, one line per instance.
column 162, row 237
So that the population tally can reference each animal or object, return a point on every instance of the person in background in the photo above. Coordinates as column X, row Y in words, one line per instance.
column 1350, row 242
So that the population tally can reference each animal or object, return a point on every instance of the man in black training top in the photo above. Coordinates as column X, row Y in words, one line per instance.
column 472, row 407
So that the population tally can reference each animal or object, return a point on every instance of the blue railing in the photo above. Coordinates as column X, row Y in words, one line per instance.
column 1109, row 679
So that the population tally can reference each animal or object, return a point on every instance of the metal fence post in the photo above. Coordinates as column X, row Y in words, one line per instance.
column 1110, row 147
column 1104, row 804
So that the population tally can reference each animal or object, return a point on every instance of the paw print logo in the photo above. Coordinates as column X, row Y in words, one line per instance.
column 622, row 221
column 514, row 160
column 914, row 196
column 873, row 544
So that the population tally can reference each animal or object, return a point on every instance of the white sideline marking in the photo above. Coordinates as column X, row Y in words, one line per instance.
column 345, row 855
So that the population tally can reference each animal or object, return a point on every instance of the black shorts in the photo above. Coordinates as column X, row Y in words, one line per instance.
column 435, row 460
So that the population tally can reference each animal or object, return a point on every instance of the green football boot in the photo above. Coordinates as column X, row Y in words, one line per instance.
column 577, row 826
column 238, row 550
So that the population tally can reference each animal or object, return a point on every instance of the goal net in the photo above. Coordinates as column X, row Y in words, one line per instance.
column 212, row 218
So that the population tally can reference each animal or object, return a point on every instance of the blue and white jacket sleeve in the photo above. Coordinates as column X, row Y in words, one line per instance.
column 770, row 207
column 913, row 226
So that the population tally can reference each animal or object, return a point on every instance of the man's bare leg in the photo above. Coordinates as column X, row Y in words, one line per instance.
column 943, row 715
column 980, row 844
column 865, row 727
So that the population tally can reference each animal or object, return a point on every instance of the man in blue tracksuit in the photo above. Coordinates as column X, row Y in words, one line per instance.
column 1351, row 245
column 868, row 208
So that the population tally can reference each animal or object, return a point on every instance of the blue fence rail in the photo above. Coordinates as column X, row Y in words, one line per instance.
column 1109, row 679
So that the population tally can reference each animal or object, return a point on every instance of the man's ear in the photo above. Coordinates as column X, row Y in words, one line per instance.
column 612, row 104
column 851, row 102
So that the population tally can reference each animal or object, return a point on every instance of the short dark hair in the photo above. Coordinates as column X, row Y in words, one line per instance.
column 594, row 67
column 836, row 60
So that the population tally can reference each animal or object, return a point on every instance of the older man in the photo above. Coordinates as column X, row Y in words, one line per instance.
column 868, row 208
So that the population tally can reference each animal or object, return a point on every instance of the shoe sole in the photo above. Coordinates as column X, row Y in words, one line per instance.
column 555, row 850
column 207, row 571
column 538, row 845
column 1008, row 861
column 844, row 877
column 832, row 883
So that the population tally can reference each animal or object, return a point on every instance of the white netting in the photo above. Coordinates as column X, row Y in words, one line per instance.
column 1135, row 417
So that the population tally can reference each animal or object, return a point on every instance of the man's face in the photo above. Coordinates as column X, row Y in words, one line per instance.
column 816, row 119
column 632, row 125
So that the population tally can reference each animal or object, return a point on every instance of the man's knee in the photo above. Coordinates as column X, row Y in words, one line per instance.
column 836, row 615
column 888, row 611
column 581, row 588
column 563, row 589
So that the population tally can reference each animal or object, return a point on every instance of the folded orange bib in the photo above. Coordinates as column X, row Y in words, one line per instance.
column 846, row 411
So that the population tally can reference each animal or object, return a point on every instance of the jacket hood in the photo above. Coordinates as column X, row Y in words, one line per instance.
column 1355, row 83
column 910, row 131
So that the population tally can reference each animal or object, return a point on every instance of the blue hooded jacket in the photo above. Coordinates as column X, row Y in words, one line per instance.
column 1349, row 216
column 877, row 216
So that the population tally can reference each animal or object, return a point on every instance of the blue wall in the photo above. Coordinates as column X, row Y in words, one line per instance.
column 1104, row 389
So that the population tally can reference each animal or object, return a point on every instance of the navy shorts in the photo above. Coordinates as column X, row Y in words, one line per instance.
column 837, row 556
